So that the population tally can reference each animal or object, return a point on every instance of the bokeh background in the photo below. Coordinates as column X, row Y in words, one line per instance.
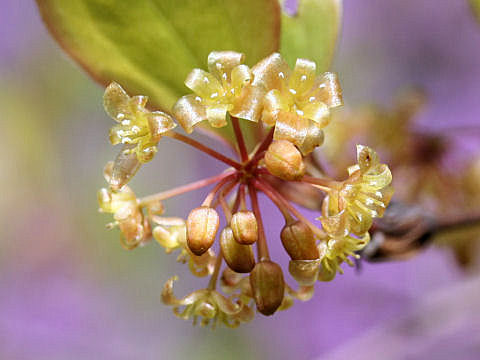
column 69, row 291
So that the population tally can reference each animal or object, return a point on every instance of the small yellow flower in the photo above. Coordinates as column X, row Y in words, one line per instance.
column 126, row 211
column 207, row 304
column 127, row 215
column 297, row 102
column 224, row 89
column 171, row 233
column 365, row 195
column 337, row 250
column 137, row 126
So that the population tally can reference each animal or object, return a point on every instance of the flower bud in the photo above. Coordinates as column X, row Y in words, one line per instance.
column 202, row 227
column 244, row 226
column 284, row 160
column 268, row 286
column 237, row 256
column 305, row 272
column 299, row 241
column 123, row 168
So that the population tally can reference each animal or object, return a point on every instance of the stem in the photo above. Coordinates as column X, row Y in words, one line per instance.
column 262, row 248
column 185, row 188
column 240, row 140
column 238, row 198
column 458, row 223
column 226, row 190
column 241, row 198
column 323, row 184
column 226, row 209
column 261, row 148
column 276, row 197
column 203, row 148
column 211, row 195
column 212, row 284
column 256, row 158
column 280, row 205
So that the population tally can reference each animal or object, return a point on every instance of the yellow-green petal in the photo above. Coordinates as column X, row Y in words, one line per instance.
column 189, row 111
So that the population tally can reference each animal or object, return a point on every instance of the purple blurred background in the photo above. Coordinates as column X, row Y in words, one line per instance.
column 69, row 291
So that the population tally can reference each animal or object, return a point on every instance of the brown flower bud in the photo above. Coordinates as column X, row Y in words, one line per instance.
column 305, row 272
column 299, row 241
column 268, row 286
column 284, row 160
column 245, row 227
column 202, row 226
column 237, row 256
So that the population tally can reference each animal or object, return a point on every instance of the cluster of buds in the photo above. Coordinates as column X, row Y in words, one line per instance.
column 290, row 108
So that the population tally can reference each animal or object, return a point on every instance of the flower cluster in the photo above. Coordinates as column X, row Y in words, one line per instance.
column 426, row 171
column 350, row 207
column 291, row 109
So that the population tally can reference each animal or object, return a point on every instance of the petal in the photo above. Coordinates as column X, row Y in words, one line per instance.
column 327, row 89
column 221, row 63
column 303, row 76
column 169, row 221
column 313, row 139
column 335, row 225
column 225, row 305
column 378, row 181
column 273, row 102
column 145, row 151
column 124, row 167
column 159, row 123
column 204, row 84
column 305, row 272
column 114, row 134
column 241, row 76
column 271, row 72
column 304, row 293
column 249, row 104
column 202, row 265
column 318, row 112
column 167, row 293
column 116, row 101
column 189, row 111
column 137, row 103
column 108, row 171
column 302, row 132
column 217, row 115
column 104, row 197
column 286, row 304
column 165, row 238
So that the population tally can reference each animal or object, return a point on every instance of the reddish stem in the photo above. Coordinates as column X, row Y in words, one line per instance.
column 203, row 148
column 257, row 155
column 226, row 209
column 262, row 248
column 240, row 140
column 226, row 190
column 324, row 184
column 211, row 195
column 278, row 199
column 185, row 188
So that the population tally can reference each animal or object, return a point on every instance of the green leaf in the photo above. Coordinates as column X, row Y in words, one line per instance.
column 312, row 32
column 150, row 46
column 475, row 4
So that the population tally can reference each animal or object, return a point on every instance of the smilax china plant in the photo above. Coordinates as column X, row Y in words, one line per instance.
column 257, row 79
